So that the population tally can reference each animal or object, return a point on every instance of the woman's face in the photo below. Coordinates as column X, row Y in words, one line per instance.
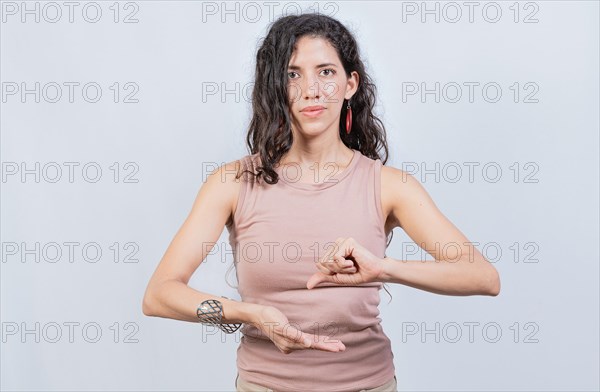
column 316, row 78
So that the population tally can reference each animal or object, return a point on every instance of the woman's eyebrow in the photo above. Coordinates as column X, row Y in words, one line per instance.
column 295, row 67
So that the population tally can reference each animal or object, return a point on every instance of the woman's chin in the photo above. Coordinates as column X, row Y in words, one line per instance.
column 313, row 129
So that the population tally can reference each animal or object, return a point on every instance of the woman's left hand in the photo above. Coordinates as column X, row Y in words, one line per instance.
column 348, row 264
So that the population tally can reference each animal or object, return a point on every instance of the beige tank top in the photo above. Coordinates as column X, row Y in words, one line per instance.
column 277, row 234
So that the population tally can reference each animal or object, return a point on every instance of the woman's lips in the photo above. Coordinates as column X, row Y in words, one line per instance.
column 313, row 113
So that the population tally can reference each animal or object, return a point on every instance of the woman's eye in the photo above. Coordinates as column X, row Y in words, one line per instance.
column 328, row 70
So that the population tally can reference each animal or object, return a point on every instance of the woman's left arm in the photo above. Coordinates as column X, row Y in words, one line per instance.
column 458, row 269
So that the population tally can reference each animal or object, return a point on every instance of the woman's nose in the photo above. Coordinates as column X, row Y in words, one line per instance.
column 312, row 88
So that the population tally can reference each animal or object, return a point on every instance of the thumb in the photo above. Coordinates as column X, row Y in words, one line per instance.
column 306, row 340
column 298, row 336
column 317, row 278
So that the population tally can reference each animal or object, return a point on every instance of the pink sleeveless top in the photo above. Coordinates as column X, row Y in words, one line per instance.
column 277, row 234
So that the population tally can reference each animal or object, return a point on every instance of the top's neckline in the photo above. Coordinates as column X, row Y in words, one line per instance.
column 291, row 174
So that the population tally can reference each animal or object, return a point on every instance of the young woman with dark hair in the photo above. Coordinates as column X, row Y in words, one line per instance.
column 310, row 211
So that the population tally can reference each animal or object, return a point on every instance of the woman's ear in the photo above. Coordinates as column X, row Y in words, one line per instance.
column 352, row 85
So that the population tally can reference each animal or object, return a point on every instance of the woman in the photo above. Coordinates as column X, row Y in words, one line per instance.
column 309, row 212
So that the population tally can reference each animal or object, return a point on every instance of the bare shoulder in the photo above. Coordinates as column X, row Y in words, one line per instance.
column 231, row 174
column 224, row 183
column 398, row 187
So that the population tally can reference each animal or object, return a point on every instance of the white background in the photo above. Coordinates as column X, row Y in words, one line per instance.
column 547, row 311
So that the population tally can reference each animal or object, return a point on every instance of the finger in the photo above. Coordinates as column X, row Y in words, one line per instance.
column 295, row 336
column 317, row 278
column 329, row 276
column 326, row 267
column 333, row 250
column 349, row 270
column 335, row 264
column 348, row 264
column 343, row 266
column 343, row 262
column 325, row 343
column 301, row 340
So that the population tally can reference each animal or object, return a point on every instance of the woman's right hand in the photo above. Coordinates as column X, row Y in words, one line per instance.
column 276, row 326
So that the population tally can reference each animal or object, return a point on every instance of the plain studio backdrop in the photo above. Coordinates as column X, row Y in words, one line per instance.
column 114, row 112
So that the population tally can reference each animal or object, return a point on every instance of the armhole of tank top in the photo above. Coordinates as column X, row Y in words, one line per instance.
column 377, row 191
column 239, row 207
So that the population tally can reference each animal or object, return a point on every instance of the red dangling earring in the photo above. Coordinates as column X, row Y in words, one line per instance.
column 348, row 118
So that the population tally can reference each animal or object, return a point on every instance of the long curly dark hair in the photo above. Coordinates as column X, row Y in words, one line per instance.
column 269, row 131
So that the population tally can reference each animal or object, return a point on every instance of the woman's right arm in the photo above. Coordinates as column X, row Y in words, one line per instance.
column 168, row 294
